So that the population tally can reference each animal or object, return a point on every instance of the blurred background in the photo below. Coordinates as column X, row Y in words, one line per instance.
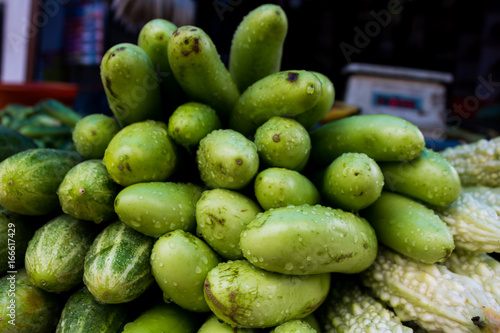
column 443, row 56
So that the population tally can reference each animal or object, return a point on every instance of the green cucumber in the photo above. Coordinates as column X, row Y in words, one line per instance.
column 215, row 325
column 199, row 70
column 430, row 178
column 283, row 143
column 56, row 253
column 280, row 187
column 29, row 179
column 257, row 45
column 156, row 208
column 59, row 111
column 131, row 84
column 293, row 326
column 92, row 135
column 243, row 295
column 82, row 313
column 180, row 262
column 116, row 267
column 221, row 216
column 163, row 318
column 308, row 239
column 227, row 159
column 284, row 94
column 15, row 232
column 410, row 228
column 87, row 192
column 141, row 152
column 25, row 308
column 380, row 136
column 12, row 142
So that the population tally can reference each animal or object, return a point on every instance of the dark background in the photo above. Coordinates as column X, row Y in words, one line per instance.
column 455, row 36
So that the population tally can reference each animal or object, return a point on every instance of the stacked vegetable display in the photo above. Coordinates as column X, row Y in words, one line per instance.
column 214, row 204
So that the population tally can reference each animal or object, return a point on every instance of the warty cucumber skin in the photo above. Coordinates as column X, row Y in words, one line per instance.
column 92, row 135
column 191, row 122
column 292, row 326
column 131, row 84
column 257, row 45
column 353, row 181
column 280, row 187
column 221, row 215
column 36, row 311
column 83, row 313
column 283, row 142
column 180, row 262
column 301, row 240
column 29, row 179
column 13, row 142
column 87, row 192
column 116, row 267
column 227, row 159
column 215, row 325
column 284, row 94
column 312, row 116
column 410, row 228
column 163, row 318
column 141, row 152
column 382, row 137
column 55, row 255
column 197, row 67
column 155, row 208
column 246, row 296
column 429, row 177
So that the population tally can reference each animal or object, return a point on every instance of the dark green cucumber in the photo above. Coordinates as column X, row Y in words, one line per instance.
column 29, row 179
column 12, row 142
column 25, row 308
column 117, row 267
column 56, row 253
column 163, row 318
column 83, row 313
column 60, row 111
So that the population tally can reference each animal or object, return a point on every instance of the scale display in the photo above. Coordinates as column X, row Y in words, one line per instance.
column 396, row 101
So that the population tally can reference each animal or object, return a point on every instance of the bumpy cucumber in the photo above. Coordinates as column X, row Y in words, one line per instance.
column 257, row 45
column 29, row 179
column 12, row 142
column 352, row 182
column 56, row 253
column 197, row 66
column 221, row 215
column 410, row 228
column 312, row 116
column 285, row 94
column 180, row 262
column 309, row 240
column 158, row 207
column 83, row 313
column 430, row 178
column 141, row 152
column 131, row 84
column 25, row 308
column 246, row 296
column 16, row 231
column 117, row 268
column 280, row 187
column 87, row 192
column 380, row 136
column 191, row 122
column 163, row 318
column 215, row 325
column 283, row 143
column 292, row 326
column 92, row 135
column 154, row 38
column 227, row 159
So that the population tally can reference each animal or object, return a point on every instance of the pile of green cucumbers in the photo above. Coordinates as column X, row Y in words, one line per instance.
column 210, row 201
